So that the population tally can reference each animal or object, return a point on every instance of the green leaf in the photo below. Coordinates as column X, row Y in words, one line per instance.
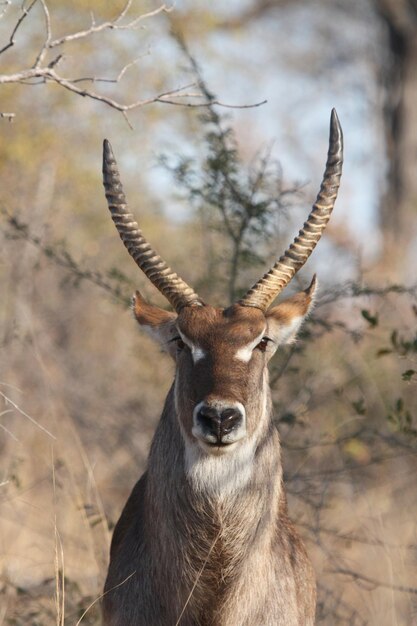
column 359, row 406
column 371, row 319
column 288, row 418
column 383, row 352
column 407, row 375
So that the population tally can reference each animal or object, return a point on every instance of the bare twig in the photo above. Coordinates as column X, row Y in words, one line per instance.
column 59, row 561
column 49, row 74
column 109, row 25
column 356, row 290
column 44, row 71
column 354, row 537
column 64, row 259
column 25, row 13
column 22, row 412
column 6, row 430
column 212, row 102
column 46, row 44
column 96, row 600
column 197, row 578
column 361, row 578
column 97, row 79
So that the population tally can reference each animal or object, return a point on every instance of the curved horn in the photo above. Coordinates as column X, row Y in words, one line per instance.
column 175, row 290
column 267, row 288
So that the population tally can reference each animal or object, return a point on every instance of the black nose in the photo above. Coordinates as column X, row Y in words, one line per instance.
column 218, row 422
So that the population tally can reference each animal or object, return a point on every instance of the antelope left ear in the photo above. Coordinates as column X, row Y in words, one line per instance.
column 159, row 324
column 285, row 319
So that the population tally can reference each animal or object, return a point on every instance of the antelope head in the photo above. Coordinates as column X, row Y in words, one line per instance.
column 221, row 384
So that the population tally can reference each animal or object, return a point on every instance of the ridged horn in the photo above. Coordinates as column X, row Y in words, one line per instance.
column 175, row 290
column 262, row 294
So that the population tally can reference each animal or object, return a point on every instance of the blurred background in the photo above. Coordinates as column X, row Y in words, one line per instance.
column 218, row 115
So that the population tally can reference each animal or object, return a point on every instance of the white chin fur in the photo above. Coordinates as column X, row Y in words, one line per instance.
column 219, row 471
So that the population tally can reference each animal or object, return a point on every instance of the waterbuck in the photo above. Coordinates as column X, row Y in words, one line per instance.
column 204, row 538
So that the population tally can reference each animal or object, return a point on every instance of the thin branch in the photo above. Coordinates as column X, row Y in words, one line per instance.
column 356, row 290
column 224, row 105
column 49, row 74
column 65, row 260
column 43, row 71
column 198, row 577
column 22, row 412
column 354, row 537
column 357, row 577
column 6, row 430
column 110, row 25
column 96, row 79
column 90, row 606
column 335, row 474
column 25, row 13
column 46, row 44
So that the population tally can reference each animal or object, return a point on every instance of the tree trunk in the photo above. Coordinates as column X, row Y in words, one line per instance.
column 398, row 76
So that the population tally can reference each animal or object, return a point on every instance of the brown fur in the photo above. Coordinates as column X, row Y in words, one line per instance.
column 194, row 554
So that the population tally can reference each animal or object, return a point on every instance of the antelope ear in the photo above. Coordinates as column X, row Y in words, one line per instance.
column 285, row 319
column 159, row 324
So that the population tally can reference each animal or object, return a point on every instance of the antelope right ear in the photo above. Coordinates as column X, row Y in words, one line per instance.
column 159, row 324
column 285, row 319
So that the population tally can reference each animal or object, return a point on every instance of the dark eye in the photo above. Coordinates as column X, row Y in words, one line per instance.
column 263, row 344
column 179, row 342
